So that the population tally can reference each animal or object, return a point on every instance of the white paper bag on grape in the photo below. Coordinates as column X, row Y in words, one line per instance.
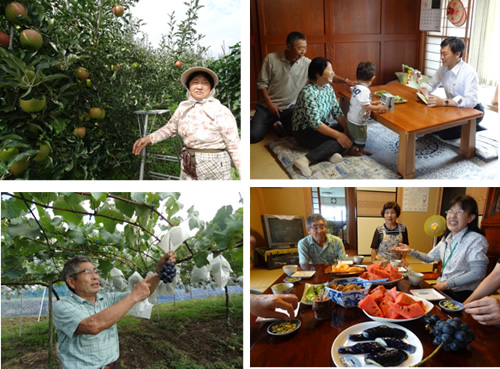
column 173, row 239
column 221, row 271
column 134, row 279
column 119, row 281
column 142, row 309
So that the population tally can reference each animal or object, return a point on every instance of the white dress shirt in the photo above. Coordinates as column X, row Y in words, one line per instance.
column 460, row 84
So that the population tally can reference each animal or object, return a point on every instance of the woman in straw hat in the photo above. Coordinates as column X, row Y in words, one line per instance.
column 206, row 127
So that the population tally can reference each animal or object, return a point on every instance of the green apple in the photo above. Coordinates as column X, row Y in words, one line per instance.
column 7, row 154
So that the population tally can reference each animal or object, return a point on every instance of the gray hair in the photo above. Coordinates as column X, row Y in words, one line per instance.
column 72, row 267
column 314, row 218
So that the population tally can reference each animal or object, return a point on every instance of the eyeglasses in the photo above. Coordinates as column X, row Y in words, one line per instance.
column 451, row 212
column 89, row 271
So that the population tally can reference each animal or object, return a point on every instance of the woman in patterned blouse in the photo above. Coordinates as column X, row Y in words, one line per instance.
column 206, row 127
column 315, row 104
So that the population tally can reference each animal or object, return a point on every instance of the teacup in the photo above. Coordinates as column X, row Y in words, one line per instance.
column 290, row 269
column 358, row 259
column 395, row 263
column 415, row 278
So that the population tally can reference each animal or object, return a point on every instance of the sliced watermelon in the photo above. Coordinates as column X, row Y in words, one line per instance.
column 392, row 313
column 371, row 267
column 407, row 311
column 397, row 276
column 384, row 305
column 370, row 306
column 421, row 303
column 393, row 292
column 382, row 273
column 377, row 295
column 381, row 288
column 403, row 299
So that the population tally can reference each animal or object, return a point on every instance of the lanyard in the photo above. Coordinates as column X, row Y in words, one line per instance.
column 449, row 256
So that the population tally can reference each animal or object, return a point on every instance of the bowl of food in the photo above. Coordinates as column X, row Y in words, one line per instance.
column 283, row 327
column 290, row 269
column 292, row 279
column 348, row 292
column 451, row 306
column 282, row 288
column 415, row 278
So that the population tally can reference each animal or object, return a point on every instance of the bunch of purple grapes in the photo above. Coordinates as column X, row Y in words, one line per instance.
column 452, row 333
column 167, row 272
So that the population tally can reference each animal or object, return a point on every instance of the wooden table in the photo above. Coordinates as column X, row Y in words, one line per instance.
column 310, row 345
column 415, row 118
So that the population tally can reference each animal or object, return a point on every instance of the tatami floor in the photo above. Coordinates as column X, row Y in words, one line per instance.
column 263, row 165
column 262, row 278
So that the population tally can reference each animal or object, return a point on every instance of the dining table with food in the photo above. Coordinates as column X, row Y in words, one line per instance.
column 380, row 314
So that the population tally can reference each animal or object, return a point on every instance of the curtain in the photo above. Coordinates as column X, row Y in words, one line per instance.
column 484, row 50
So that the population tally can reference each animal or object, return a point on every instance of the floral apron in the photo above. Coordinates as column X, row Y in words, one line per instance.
column 388, row 242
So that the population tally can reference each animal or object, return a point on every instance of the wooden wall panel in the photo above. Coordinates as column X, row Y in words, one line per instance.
column 396, row 53
column 255, row 58
column 347, row 55
column 370, row 204
column 352, row 17
column 400, row 16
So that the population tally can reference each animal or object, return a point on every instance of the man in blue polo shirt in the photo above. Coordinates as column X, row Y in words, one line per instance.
column 86, row 320
column 319, row 247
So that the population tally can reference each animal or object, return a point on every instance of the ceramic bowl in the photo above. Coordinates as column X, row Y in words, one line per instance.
column 395, row 263
column 358, row 259
column 415, row 278
column 282, row 288
column 352, row 298
column 290, row 269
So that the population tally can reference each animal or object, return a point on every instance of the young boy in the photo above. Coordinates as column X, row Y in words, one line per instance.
column 361, row 106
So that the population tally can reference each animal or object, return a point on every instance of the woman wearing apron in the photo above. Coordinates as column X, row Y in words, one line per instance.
column 389, row 235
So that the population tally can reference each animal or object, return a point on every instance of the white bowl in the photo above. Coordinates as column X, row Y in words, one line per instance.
column 282, row 288
column 395, row 263
column 415, row 278
column 290, row 269
column 358, row 259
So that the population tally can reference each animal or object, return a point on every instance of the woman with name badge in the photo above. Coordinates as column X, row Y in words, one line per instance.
column 462, row 250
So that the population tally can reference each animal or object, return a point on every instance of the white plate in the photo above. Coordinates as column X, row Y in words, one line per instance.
column 343, row 340
column 429, row 294
column 304, row 274
column 306, row 287
column 428, row 308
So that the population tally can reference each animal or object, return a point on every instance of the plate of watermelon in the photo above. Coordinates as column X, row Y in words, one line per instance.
column 384, row 305
column 377, row 271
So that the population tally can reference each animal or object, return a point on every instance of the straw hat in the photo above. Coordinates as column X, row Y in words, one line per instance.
column 187, row 73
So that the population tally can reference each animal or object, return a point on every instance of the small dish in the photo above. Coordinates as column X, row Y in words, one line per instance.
column 272, row 327
column 292, row 279
column 451, row 306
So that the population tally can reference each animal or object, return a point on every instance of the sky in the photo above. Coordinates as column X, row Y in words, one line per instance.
column 218, row 20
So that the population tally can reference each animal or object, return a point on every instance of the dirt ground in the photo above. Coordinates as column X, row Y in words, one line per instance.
column 200, row 343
